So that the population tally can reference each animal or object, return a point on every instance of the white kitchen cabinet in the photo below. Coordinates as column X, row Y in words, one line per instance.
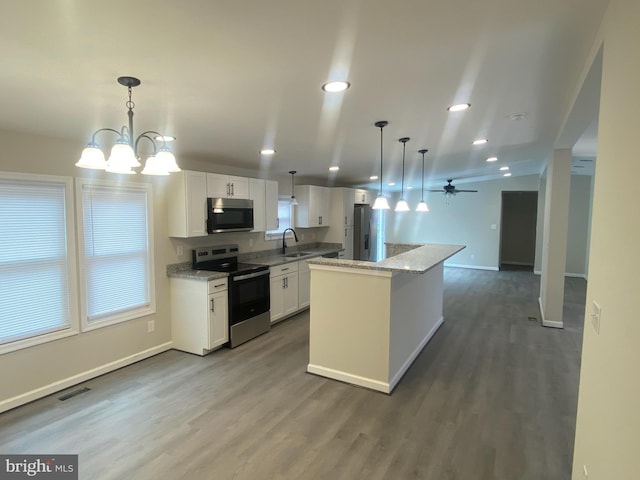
column 313, row 206
column 257, row 193
column 199, row 314
column 362, row 196
column 264, row 194
column 271, row 204
column 187, row 204
column 347, row 243
column 227, row 186
column 304, row 285
column 341, row 206
column 284, row 291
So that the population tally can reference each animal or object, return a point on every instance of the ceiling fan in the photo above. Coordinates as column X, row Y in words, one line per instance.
column 449, row 189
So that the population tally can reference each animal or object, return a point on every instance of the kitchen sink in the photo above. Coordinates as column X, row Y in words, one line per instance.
column 297, row 254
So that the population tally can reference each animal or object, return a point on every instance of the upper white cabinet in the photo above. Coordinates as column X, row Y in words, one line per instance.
column 187, row 204
column 271, row 207
column 264, row 194
column 341, row 203
column 313, row 206
column 360, row 195
column 227, row 186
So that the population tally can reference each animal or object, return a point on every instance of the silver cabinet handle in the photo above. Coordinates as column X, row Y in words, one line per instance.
column 219, row 285
column 284, row 269
column 213, row 309
column 283, row 283
column 286, row 282
column 345, row 219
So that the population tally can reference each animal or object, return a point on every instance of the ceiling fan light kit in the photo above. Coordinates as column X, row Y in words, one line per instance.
column 124, row 153
column 402, row 205
column 381, row 202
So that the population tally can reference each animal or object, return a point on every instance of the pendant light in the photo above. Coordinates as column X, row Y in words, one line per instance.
column 124, row 153
column 402, row 205
column 381, row 202
column 422, row 206
column 293, row 200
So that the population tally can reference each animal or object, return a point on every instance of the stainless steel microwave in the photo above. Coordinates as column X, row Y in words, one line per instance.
column 229, row 215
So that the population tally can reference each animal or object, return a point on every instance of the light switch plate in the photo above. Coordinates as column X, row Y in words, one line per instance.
column 180, row 250
column 494, row 226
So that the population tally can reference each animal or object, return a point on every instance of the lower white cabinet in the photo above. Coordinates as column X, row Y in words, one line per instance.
column 347, row 243
column 199, row 314
column 284, row 291
column 304, row 284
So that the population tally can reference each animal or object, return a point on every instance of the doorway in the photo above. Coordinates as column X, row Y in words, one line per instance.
column 518, row 230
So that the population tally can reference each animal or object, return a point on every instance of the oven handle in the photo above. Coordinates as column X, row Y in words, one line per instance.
column 250, row 275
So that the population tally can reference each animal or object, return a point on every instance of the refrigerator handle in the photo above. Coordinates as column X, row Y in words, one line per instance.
column 368, row 247
column 366, row 241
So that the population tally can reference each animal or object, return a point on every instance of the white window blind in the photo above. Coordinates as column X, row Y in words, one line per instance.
column 34, row 266
column 116, row 260
column 285, row 211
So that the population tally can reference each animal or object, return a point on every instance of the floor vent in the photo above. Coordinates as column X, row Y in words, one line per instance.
column 75, row 393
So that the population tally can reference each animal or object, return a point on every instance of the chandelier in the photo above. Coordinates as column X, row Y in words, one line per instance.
column 124, row 153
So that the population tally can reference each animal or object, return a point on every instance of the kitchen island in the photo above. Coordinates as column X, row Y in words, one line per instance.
column 370, row 320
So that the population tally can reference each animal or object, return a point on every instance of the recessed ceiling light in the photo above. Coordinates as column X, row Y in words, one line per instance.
column 391, row 184
column 373, row 177
column 459, row 107
column 507, row 175
column 409, row 187
column 517, row 116
column 480, row 141
column 334, row 169
column 337, row 86
column 492, row 159
column 267, row 151
column 164, row 138
column 504, row 168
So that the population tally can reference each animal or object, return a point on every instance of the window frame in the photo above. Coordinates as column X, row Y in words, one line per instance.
column 74, row 324
column 129, row 314
column 274, row 234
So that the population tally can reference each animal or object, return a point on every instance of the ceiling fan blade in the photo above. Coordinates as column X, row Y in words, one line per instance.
column 466, row 190
column 441, row 190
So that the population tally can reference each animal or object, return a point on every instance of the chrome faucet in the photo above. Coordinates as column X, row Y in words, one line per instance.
column 284, row 242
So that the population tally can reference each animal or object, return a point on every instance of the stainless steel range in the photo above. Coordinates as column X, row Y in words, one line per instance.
column 249, row 296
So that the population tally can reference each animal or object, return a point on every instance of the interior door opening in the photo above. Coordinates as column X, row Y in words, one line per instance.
column 518, row 230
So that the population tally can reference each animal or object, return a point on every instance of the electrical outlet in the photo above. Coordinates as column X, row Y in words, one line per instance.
column 151, row 326
column 596, row 313
column 251, row 242
column 494, row 226
column 180, row 250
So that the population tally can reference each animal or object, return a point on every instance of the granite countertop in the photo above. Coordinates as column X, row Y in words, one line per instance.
column 184, row 270
column 416, row 260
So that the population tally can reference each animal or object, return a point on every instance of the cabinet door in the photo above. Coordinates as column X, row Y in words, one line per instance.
column 217, row 185
column 347, row 243
column 257, row 194
column 347, row 206
column 290, row 293
column 187, row 204
column 218, row 319
column 304, row 284
column 322, row 199
column 362, row 196
column 238, row 187
column 276, row 285
column 271, row 205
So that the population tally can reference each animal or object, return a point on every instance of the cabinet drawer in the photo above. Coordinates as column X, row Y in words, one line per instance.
column 217, row 285
column 284, row 269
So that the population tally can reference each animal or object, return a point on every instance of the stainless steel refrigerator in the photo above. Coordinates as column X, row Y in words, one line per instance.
column 365, row 245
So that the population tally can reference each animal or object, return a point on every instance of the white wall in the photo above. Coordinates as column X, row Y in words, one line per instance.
column 578, row 227
column 607, row 437
column 466, row 220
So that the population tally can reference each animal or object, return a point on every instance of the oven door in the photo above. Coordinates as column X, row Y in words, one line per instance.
column 249, row 296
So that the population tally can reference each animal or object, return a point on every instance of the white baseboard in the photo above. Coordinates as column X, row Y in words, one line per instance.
column 396, row 378
column 385, row 387
column 545, row 322
column 572, row 275
column 349, row 378
column 27, row 397
column 475, row 267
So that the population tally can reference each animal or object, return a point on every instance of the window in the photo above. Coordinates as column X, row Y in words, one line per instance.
column 37, row 281
column 115, row 227
column 285, row 212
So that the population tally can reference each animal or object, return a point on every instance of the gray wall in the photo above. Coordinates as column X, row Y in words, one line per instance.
column 578, row 227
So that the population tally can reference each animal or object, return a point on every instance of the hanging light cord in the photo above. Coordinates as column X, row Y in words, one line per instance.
column 381, row 127
column 422, row 196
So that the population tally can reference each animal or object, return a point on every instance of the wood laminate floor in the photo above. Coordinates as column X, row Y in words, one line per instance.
column 492, row 396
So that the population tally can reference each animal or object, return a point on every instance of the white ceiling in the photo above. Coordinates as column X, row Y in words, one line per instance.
column 229, row 77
